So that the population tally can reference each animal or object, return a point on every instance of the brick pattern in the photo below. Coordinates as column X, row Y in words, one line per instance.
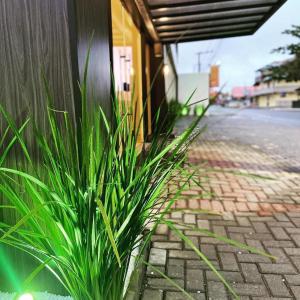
column 260, row 212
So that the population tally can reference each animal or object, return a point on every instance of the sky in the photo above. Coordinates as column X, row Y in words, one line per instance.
column 240, row 57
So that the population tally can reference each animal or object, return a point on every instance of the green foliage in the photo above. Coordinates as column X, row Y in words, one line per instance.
column 92, row 196
column 176, row 108
column 290, row 70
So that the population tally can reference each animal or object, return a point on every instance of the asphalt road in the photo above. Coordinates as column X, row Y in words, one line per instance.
column 273, row 131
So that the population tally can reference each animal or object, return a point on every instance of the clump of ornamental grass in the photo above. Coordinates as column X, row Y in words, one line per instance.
column 92, row 195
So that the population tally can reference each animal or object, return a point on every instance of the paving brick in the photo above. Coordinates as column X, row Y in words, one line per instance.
column 152, row 294
column 151, row 273
column 296, row 291
column 280, row 224
column 220, row 230
column 229, row 206
column 277, row 268
column 293, row 230
column 216, row 291
column 189, row 193
column 205, row 204
column 229, row 262
column 181, row 296
column 243, row 221
column 189, row 219
column 175, row 262
column 167, row 245
column 194, row 204
column 176, row 215
column 296, row 239
column 231, row 277
column 255, row 243
column 252, row 258
column 194, row 240
column 279, row 233
column 224, row 223
column 269, row 298
column 293, row 279
column 251, row 273
column 203, row 224
column 187, row 254
column 210, row 240
column 227, row 248
column 261, row 213
column 158, row 257
column 176, row 271
column 260, row 227
column 174, row 237
column 281, row 217
column 276, row 285
column 253, row 206
column 162, row 229
column 296, row 261
column 250, row 289
column 292, row 251
column 162, row 283
column 209, row 251
column 157, row 237
column 194, row 280
column 279, row 254
column 259, row 236
column 237, row 229
column 181, row 204
column 237, row 237
column 278, row 244
column 197, row 264
column 217, row 206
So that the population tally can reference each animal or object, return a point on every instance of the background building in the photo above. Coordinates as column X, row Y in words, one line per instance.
column 194, row 86
column 274, row 93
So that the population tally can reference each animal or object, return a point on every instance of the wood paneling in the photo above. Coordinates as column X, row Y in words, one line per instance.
column 94, row 24
column 34, row 39
column 158, row 97
column 49, row 37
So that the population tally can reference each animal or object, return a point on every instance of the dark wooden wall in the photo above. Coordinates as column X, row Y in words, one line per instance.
column 158, row 96
column 94, row 22
column 50, row 37
column 34, row 38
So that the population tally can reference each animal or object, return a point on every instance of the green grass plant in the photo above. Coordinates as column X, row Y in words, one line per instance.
column 92, row 194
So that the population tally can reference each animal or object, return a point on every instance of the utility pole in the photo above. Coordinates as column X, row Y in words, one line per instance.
column 199, row 58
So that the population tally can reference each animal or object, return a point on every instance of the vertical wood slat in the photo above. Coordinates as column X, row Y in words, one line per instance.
column 49, row 36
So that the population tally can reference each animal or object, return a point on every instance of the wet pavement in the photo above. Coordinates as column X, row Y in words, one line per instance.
column 259, row 211
column 273, row 131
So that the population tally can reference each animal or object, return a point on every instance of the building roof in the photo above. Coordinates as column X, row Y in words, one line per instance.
column 240, row 92
column 176, row 21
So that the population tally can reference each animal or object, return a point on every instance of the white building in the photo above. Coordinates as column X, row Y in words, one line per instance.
column 195, row 85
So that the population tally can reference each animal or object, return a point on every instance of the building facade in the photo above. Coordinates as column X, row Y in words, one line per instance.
column 275, row 93
column 195, row 88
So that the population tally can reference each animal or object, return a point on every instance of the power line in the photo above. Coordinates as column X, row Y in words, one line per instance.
column 199, row 58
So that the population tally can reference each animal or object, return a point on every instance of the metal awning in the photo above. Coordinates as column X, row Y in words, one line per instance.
column 176, row 21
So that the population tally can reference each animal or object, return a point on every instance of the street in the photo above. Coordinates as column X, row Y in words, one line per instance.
column 272, row 131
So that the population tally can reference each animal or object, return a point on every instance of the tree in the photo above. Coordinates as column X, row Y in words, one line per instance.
column 289, row 70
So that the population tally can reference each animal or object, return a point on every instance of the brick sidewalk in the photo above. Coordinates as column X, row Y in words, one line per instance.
column 259, row 212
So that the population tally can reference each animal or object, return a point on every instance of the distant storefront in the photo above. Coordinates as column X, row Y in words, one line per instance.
column 275, row 93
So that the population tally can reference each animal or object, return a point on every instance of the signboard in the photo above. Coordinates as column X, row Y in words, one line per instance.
column 214, row 76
